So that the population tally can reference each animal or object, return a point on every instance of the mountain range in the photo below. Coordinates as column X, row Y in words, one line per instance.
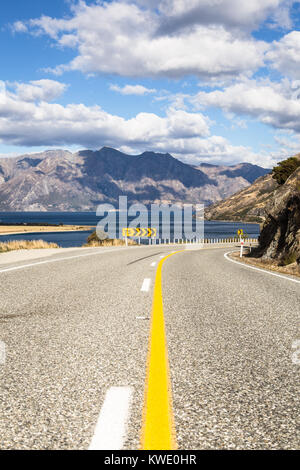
column 58, row 180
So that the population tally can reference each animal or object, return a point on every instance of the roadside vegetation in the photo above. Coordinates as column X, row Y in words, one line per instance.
column 102, row 239
column 285, row 169
column 25, row 245
column 289, row 259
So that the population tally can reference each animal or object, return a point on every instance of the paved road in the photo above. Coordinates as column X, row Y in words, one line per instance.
column 75, row 328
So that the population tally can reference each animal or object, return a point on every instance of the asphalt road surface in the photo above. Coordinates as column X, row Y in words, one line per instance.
column 76, row 333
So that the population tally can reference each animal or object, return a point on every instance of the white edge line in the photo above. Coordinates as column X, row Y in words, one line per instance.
column 15, row 268
column 259, row 269
column 110, row 430
column 146, row 285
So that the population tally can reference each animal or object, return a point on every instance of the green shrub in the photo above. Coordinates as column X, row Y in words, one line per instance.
column 100, row 238
column 284, row 169
column 289, row 259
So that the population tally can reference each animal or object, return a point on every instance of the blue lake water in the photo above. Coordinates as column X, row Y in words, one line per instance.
column 212, row 229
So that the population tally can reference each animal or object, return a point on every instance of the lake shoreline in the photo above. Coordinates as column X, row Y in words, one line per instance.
column 36, row 229
column 233, row 221
column 57, row 227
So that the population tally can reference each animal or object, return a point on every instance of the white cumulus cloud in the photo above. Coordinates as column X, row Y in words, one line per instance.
column 285, row 55
column 132, row 89
column 27, row 120
column 42, row 90
column 247, row 15
column 123, row 39
column 229, row 13
column 40, row 123
column 19, row 27
column 272, row 103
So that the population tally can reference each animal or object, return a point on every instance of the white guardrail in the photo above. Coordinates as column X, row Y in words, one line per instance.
column 201, row 241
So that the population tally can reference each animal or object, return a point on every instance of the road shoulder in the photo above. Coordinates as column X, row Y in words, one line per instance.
column 234, row 257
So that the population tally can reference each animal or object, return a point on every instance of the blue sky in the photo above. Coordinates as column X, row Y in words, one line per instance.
column 205, row 82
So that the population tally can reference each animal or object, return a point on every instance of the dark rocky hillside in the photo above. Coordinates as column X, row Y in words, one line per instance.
column 280, row 235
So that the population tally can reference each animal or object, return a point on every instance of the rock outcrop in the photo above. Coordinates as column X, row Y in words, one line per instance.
column 280, row 234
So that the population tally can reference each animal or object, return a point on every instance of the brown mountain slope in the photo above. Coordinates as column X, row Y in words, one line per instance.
column 247, row 205
column 252, row 203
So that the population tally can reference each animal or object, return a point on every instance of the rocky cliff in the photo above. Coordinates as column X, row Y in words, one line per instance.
column 280, row 235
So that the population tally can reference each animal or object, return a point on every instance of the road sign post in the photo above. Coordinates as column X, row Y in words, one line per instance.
column 240, row 233
column 242, row 246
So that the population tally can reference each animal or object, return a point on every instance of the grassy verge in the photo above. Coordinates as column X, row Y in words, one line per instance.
column 101, row 238
column 25, row 245
column 108, row 242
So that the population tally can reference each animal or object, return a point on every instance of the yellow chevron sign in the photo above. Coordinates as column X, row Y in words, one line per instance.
column 240, row 232
column 139, row 232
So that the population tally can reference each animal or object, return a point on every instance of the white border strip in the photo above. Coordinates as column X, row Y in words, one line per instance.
column 146, row 285
column 259, row 269
column 111, row 426
column 56, row 260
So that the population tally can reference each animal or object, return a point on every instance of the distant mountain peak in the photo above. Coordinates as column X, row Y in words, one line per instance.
column 109, row 149
column 59, row 180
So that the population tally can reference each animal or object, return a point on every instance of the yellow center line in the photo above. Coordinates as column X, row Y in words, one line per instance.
column 158, row 429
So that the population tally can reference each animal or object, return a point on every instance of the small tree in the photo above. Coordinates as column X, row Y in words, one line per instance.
column 284, row 169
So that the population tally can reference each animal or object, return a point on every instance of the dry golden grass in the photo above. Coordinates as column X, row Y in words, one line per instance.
column 109, row 242
column 25, row 245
